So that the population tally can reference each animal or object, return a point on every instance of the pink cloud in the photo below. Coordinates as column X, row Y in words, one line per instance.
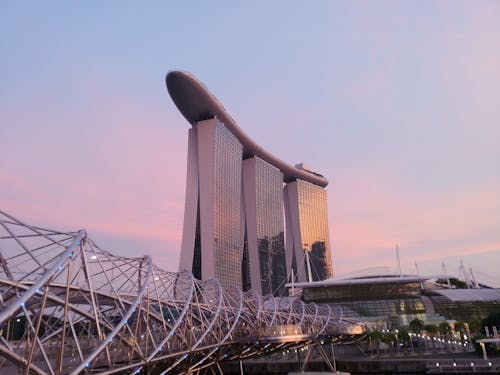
column 120, row 179
column 370, row 215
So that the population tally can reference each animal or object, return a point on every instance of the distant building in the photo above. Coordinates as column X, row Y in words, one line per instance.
column 264, row 235
column 242, row 201
column 307, row 230
column 394, row 301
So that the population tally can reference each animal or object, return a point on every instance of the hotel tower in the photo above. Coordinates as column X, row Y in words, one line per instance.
column 250, row 219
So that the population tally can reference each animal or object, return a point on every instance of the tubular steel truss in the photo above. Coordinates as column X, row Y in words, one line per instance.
column 67, row 306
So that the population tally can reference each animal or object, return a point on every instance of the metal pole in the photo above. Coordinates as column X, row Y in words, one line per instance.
column 485, row 356
column 399, row 261
column 308, row 263
column 333, row 357
column 397, row 342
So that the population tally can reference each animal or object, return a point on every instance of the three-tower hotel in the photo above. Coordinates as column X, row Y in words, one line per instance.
column 250, row 219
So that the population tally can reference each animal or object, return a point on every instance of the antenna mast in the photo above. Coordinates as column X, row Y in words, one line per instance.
column 446, row 275
column 464, row 272
column 474, row 282
column 399, row 261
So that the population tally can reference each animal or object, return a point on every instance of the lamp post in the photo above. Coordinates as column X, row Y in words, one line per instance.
column 397, row 340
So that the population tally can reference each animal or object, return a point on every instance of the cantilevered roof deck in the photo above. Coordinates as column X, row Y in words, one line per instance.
column 196, row 103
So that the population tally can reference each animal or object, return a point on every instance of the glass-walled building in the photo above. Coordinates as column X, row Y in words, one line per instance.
column 394, row 300
column 263, row 196
column 211, row 245
column 242, row 201
column 227, row 245
column 308, row 240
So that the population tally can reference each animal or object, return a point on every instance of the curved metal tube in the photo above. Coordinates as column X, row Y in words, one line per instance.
column 15, row 305
column 130, row 329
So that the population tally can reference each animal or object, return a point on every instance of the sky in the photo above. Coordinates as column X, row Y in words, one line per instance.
column 396, row 103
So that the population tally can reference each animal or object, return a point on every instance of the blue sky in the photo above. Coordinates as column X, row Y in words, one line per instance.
column 397, row 103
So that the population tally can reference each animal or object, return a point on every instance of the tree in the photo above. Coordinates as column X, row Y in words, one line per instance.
column 444, row 328
column 388, row 337
column 375, row 335
column 403, row 335
column 431, row 329
column 461, row 328
column 416, row 325
column 492, row 320
column 475, row 325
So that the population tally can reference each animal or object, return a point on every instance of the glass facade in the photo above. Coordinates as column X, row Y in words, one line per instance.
column 197, row 269
column 313, row 218
column 228, row 250
column 218, row 240
column 464, row 310
column 234, row 226
column 393, row 303
column 270, row 233
column 365, row 290
column 383, row 307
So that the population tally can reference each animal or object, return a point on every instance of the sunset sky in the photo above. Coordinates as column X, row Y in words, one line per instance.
column 396, row 103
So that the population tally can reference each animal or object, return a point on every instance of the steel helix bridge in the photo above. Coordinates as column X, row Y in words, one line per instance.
column 67, row 306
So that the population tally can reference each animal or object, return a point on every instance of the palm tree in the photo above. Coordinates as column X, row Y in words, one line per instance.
column 416, row 325
column 432, row 329
column 375, row 336
column 475, row 325
column 444, row 328
column 461, row 328
column 403, row 335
